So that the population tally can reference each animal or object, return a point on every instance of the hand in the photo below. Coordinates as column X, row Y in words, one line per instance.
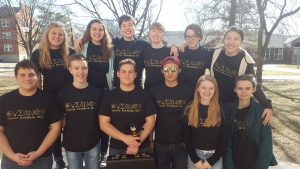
column 174, row 50
column 199, row 165
column 206, row 165
column 132, row 141
column 33, row 155
column 132, row 150
column 21, row 159
column 182, row 47
column 78, row 46
column 267, row 116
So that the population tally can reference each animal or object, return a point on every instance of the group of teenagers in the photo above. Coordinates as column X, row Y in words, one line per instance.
column 196, row 108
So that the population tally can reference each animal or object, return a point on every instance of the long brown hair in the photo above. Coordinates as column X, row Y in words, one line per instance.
column 214, row 116
column 44, row 46
column 106, row 41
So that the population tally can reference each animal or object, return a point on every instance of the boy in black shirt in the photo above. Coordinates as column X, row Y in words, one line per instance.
column 29, row 122
column 170, row 97
column 127, row 107
column 80, row 101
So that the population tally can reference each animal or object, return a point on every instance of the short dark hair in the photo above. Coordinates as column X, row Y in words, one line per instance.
column 76, row 56
column 125, row 17
column 26, row 64
column 237, row 30
column 126, row 61
column 196, row 29
column 247, row 77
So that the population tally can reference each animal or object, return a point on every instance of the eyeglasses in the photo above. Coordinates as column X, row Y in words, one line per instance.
column 191, row 37
column 170, row 69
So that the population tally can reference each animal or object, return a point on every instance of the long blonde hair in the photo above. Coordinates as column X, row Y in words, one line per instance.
column 44, row 46
column 213, row 115
column 106, row 41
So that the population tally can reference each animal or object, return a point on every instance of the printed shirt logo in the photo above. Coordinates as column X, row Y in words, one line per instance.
column 83, row 105
column 57, row 62
column 152, row 63
column 125, row 107
column 26, row 114
column 191, row 64
column 96, row 59
column 171, row 103
column 240, row 125
column 225, row 70
column 128, row 53
column 201, row 122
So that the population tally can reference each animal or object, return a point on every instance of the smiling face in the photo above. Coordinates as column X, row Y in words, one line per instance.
column 27, row 80
column 127, row 29
column 126, row 74
column 97, row 33
column 244, row 90
column 171, row 72
column 192, row 39
column 232, row 43
column 156, row 35
column 79, row 70
column 56, row 37
column 206, row 90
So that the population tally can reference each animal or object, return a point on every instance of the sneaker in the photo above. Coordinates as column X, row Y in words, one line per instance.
column 103, row 161
column 60, row 164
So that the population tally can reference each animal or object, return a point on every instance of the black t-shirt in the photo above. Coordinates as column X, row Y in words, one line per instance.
column 194, row 63
column 125, row 108
column 98, row 66
column 205, row 138
column 244, row 152
column 58, row 76
column 26, row 119
column 226, row 70
column 129, row 50
column 170, row 103
column 152, row 60
column 81, row 132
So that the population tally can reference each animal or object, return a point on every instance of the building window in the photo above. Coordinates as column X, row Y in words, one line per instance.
column 267, row 54
column 278, row 54
column 6, row 35
column 8, row 48
column 5, row 23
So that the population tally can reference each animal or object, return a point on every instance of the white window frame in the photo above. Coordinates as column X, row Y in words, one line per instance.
column 5, row 23
column 6, row 35
column 267, row 54
column 278, row 54
column 8, row 48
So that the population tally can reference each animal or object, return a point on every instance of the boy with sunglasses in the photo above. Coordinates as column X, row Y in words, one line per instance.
column 171, row 98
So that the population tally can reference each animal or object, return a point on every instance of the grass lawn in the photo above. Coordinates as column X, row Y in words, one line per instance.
column 286, row 118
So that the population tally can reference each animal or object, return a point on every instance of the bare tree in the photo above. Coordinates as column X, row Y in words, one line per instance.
column 269, row 21
column 25, row 19
column 142, row 10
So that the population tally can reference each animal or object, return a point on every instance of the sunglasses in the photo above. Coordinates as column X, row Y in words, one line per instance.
column 170, row 69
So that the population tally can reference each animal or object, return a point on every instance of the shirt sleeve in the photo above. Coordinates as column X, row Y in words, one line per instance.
column 105, row 106
column 56, row 111
column 150, row 107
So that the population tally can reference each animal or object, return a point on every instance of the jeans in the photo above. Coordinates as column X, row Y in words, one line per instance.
column 170, row 156
column 90, row 157
column 114, row 151
column 40, row 163
column 204, row 155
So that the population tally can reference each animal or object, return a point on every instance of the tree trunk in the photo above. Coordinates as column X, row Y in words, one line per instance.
column 232, row 14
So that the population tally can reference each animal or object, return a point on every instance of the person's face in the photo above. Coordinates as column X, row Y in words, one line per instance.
column 127, row 29
column 192, row 39
column 79, row 71
column 206, row 90
column 97, row 32
column 156, row 35
column 232, row 42
column 244, row 89
column 126, row 74
column 27, row 79
column 56, row 37
column 170, row 72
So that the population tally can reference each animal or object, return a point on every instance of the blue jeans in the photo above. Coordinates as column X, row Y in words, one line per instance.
column 169, row 156
column 114, row 151
column 90, row 157
column 40, row 163
column 204, row 155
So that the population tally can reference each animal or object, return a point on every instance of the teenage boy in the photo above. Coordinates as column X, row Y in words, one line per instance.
column 127, row 107
column 171, row 98
column 81, row 101
column 30, row 122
